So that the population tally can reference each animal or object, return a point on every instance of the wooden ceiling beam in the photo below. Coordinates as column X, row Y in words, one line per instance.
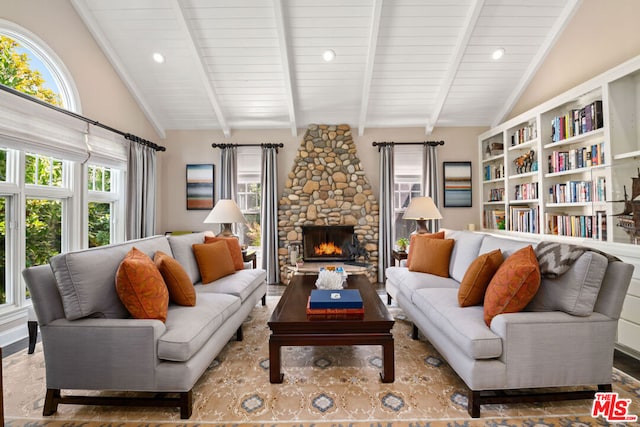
column 192, row 46
column 454, row 65
column 374, row 30
column 286, row 65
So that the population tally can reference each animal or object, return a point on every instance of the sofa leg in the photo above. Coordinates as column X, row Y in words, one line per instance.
column 264, row 300
column 388, row 299
column 239, row 334
column 415, row 332
column 186, row 404
column 51, row 400
column 32, row 327
column 473, row 404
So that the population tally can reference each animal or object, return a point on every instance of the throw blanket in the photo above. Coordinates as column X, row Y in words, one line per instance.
column 556, row 258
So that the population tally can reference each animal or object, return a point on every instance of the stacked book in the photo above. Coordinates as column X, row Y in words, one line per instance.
column 335, row 304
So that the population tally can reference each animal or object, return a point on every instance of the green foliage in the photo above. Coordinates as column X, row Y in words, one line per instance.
column 16, row 73
column 99, row 224
column 43, row 170
column 3, row 165
column 402, row 242
column 44, row 231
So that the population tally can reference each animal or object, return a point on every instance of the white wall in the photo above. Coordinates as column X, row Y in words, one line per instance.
column 184, row 147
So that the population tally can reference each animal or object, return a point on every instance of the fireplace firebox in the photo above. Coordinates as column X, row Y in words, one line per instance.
column 327, row 242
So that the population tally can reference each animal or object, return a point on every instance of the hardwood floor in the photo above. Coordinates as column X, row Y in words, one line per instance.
column 622, row 361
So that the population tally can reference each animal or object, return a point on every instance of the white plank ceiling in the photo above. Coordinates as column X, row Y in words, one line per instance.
column 243, row 64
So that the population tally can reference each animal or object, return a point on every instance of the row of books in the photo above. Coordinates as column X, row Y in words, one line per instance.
column 577, row 122
column 585, row 226
column 496, row 194
column 523, row 219
column 493, row 172
column 524, row 134
column 578, row 191
column 527, row 191
column 494, row 219
column 576, row 158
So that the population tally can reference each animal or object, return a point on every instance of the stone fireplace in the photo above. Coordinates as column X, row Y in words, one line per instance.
column 327, row 186
column 327, row 242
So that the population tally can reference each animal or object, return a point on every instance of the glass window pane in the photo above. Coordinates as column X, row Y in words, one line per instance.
column 90, row 178
column 107, row 179
column 3, row 165
column 3, row 250
column 30, row 169
column 99, row 224
column 43, row 230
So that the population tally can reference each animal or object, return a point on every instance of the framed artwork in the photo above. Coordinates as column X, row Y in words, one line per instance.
column 200, row 188
column 457, row 184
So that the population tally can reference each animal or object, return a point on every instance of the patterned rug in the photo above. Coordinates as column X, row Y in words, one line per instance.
column 323, row 386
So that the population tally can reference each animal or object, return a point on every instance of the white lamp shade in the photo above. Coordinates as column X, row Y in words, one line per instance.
column 422, row 208
column 225, row 212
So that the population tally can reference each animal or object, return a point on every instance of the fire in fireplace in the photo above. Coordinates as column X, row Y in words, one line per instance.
column 327, row 242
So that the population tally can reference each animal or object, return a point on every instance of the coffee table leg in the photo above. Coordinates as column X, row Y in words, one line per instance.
column 388, row 361
column 275, row 377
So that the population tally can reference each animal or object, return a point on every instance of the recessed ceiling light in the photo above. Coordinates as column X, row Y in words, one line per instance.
column 497, row 54
column 329, row 55
column 158, row 57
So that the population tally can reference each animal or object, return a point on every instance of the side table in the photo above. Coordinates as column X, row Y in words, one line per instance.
column 250, row 256
column 399, row 255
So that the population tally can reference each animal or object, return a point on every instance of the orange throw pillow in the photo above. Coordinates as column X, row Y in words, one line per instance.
column 181, row 290
column 234, row 249
column 141, row 288
column 514, row 284
column 416, row 237
column 214, row 260
column 477, row 278
column 432, row 256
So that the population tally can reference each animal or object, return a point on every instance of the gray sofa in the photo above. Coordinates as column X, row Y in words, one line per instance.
column 561, row 338
column 90, row 341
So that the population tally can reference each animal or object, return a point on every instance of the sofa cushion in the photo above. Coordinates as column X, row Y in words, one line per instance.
column 406, row 282
column 507, row 246
column 415, row 238
column 242, row 283
column 574, row 292
column 86, row 278
column 514, row 285
column 188, row 328
column 462, row 325
column 141, row 287
column 234, row 249
column 177, row 280
column 214, row 260
column 477, row 278
column 182, row 249
column 466, row 249
column 432, row 256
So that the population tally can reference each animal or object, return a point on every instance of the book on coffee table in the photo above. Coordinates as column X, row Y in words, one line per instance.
column 335, row 298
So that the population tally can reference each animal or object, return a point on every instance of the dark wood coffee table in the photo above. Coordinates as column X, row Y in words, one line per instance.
column 290, row 326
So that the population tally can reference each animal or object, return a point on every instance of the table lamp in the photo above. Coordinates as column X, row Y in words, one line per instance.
column 225, row 212
column 421, row 209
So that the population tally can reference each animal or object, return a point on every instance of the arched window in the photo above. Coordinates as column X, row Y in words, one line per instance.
column 42, row 59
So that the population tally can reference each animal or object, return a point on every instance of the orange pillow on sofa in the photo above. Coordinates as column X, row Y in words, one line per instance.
column 181, row 290
column 141, row 288
column 234, row 249
column 432, row 256
column 416, row 237
column 214, row 260
column 477, row 278
column 514, row 285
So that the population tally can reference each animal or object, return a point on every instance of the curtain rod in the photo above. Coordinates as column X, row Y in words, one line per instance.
column 431, row 143
column 280, row 145
column 128, row 136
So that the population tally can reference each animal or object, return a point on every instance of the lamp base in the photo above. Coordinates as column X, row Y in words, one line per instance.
column 421, row 226
column 226, row 231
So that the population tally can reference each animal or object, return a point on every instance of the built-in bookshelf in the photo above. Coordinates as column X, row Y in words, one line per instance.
column 566, row 172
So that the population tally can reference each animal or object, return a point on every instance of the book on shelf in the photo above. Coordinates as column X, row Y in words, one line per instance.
column 577, row 122
column 584, row 226
column 324, row 312
column 335, row 298
column 495, row 219
column 523, row 219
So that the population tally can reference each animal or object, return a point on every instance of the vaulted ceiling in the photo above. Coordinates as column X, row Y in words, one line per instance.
column 246, row 64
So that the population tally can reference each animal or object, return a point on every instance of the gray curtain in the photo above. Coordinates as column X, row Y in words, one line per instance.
column 430, row 182
column 141, row 191
column 269, row 214
column 229, row 173
column 385, row 242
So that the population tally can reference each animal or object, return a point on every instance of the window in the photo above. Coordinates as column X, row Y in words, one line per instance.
column 42, row 170
column 407, row 185
column 103, row 202
column 249, row 193
column 43, row 237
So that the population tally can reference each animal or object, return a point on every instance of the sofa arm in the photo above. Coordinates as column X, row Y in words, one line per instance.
column 555, row 348
column 117, row 354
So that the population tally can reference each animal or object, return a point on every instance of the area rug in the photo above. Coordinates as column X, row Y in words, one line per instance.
column 323, row 386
